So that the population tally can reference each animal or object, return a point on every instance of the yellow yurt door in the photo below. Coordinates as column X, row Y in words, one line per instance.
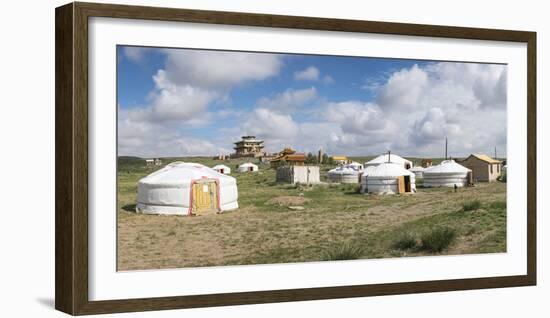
column 401, row 184
column 205, row 196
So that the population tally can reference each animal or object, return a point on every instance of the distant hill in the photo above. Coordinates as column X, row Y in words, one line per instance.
column 129, row 158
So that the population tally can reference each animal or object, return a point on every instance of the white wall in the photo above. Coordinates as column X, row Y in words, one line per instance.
column 27, row 134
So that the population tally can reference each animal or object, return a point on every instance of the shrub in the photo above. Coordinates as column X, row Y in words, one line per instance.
column 438, row 239
column 405, row 241
column 471, row 205
column 345, row 251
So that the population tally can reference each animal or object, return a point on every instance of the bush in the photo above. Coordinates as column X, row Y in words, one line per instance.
column 345, row 251
column 471, row 205
column 438, row 239
column 405, row 241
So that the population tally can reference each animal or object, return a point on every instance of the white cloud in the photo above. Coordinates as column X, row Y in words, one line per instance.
column 289, row 100
column 309, row 74
column 433, row 127
column 219, row 69
column 170, row 102
column 134, row 54
column 403, row 89
column 327, row 79
column 414, row 110
column 417, row 107
column 312, row 73
column 151, row 139
column 189, row 84
column 271, row 125
column 356, row 117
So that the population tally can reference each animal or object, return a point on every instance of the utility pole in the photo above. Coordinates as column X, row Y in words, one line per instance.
column 445, row 148
column 495, row 152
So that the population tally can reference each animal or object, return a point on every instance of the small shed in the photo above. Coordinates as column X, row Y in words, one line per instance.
column 153, row 162
column 484, row 168
column 298, row 174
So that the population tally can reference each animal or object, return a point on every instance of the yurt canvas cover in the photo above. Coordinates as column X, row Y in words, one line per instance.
column 385, row 158
column 223, row 169
column 186, row 189
column 248, row 167
column 388, row 178
column 418, row 171
column 344, row 174
column 355, row 165
column 446, row 174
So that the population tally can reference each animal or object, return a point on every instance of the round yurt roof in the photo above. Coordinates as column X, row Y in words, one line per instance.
column 368, row 170
column 388, row 170
column 248, row 164
column 447, row 166
column 345, row 170
column 393, row 158
column 417, row 169
column 182, row 172
column 220, row 167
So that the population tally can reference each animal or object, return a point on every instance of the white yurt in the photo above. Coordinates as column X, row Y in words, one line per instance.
column 363, row 182
column 248, row 167
column 406, row 164
column 388, row 178
column 446, row 174
column 344, row 174
column 185, row 189
column 356, row 165
column 418, row 171
column 223, row 169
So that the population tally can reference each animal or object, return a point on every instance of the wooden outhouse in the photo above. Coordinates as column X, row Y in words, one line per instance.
column 484, row 168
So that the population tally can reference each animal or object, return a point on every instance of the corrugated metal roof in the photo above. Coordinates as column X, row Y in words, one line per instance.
column 340, row 158
column 485, row 158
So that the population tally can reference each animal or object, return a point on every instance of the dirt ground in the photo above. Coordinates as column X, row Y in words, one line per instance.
column 265, row 230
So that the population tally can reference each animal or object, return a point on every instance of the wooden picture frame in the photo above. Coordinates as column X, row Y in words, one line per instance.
column 71, row 90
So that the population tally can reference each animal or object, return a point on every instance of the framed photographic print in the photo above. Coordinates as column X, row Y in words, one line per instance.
column 211, row 158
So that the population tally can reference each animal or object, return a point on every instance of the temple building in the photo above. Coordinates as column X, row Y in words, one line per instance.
column 288, row 157
column 249, row 146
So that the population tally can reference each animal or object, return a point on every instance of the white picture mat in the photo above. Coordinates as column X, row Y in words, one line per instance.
column 106, row 283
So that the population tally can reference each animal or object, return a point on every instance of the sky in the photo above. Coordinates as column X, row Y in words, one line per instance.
column 189, row 102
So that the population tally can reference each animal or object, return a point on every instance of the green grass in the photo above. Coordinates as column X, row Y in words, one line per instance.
column 405, row 241
column 438, row 239
column 471, row 205
column 260, row 232
column 343, row 251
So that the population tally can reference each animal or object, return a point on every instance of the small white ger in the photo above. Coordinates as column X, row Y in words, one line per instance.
column 223, row 169
column 183, row 188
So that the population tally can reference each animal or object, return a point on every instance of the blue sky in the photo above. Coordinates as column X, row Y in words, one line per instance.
column 185, row 102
